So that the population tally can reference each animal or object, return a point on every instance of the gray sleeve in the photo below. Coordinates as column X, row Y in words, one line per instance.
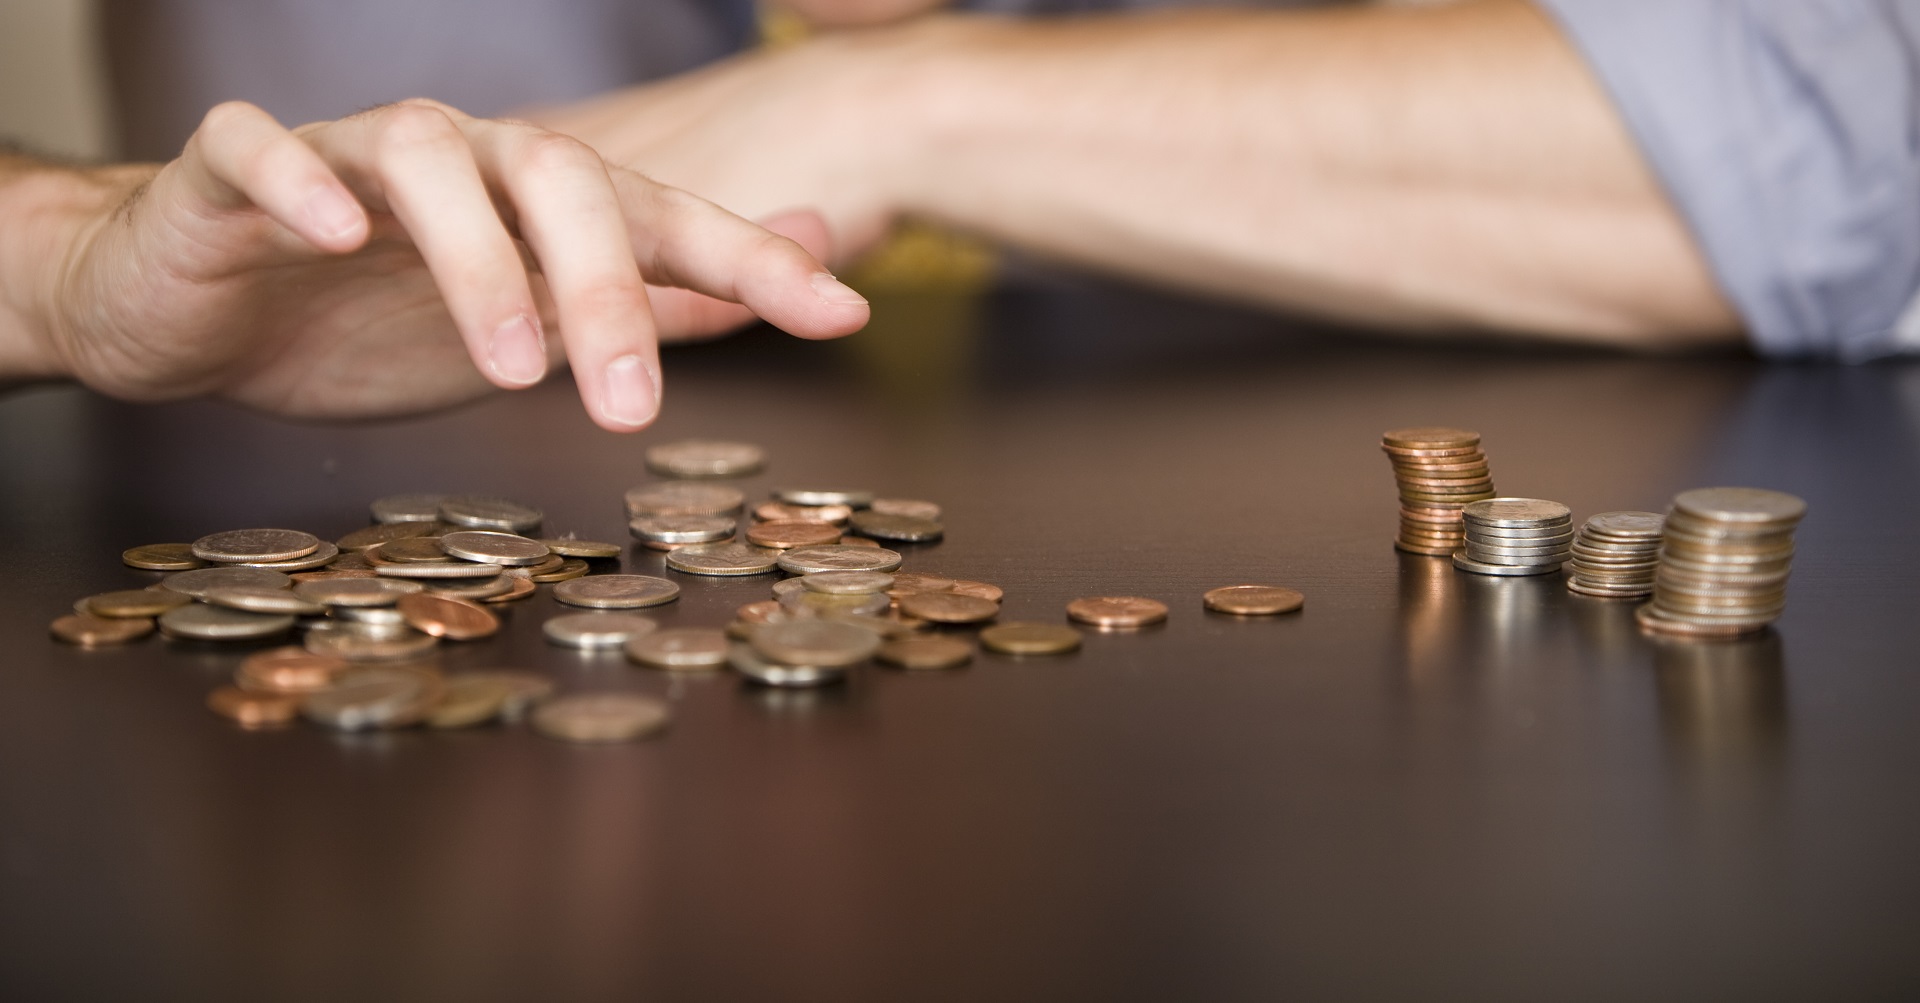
column 1788, row 134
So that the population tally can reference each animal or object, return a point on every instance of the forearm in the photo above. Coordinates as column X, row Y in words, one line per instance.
column 1428, row 168
column 43, row 209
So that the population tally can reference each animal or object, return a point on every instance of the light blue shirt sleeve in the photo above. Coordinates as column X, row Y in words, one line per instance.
column 1787, row 132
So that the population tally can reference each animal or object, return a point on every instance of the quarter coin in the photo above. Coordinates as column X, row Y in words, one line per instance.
column 824, row 496
column 723, row 559
column 483, row 512
column 667, row 531
column 838, row 557
column 616, row 591
column 253, row 545
column 600, row 717
column 596, row 630
column 407, row 508
column 494, row 548
column 448, row 569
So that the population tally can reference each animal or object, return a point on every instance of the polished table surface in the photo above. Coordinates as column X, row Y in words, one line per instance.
column 1426, row 785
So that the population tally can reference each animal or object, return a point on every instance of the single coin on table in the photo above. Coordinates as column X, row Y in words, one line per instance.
column 369, row 643
column 616, row 591
column 788, row 534
column 695, row 458
column 138, row 603
column 948, row 607
column 466, row 701
column 776, row 511
column 897, row 528
column 665, row 532
column 375, row 698
column 195, row 583
column 820, row 643
column 846, row 582
column 1465, row 563
column 444, row 617
column 925, row 653
column 407, row 508
column 567, row 546
column 912, row 508
column 824, row 496
column 381, row 533
column 89, row 631
column 1030, row 638
column 600, row 717
column 523, row 689
column 250, row 709
column 765, row 672
column 489, row 547
column 356, row 591
column 289, row 671
column 838, row 557
column 447, row 569
column 1253, row 600
column 202, row 622
column 679, row 648
column 162, row 557
column 596, row 630
column 723, row 559
column 236, row 546
column 256, row 600
column 1115, row 612
column 684, row 498
column 485, row 512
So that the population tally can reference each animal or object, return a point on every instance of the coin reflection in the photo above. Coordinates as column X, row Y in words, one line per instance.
column 1723, row 704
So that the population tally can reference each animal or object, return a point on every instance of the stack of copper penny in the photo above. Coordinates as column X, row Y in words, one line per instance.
column 1725, row 554
column 1440, row 471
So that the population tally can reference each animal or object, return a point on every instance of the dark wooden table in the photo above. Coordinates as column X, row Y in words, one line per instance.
column 1427, row 785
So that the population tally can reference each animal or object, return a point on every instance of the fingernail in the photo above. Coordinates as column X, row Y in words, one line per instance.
column 333, row 215
column 518, row 352
column 836, row 292
column 633, row 392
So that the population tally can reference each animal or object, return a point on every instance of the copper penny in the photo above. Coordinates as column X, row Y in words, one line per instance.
column 787, row 534
column 140, row 604
column 1430, row 437
column 522, row 588
column 764, row 611
column 859, row 541
column 1253, row 600
column 253, row 710
column 1117, row 612
column 453, row 619
column 979, row 590
column 93, row 631
column 774, row 511
column 925, row 653
column 948, row 607
column 1031, row 638
column 288, row 670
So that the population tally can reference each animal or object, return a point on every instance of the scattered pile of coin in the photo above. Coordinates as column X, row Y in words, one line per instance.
column 1725, row 554
column 1439, row 471
column 1614, row 555
column 1515, row 536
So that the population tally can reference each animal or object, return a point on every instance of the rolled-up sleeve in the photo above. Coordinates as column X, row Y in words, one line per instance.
column 1787, row 132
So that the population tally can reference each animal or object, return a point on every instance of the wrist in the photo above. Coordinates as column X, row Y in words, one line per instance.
column 46, row 214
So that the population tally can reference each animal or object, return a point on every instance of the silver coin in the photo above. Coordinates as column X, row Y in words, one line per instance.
column 238, row 545
column 1516, row 513
column 823, row 643
column 323, row 555
column 681, row 529
column 369, row 642
column 910, row 507
column 437, row 569
column 217, row 623
column 680, row 648
column 748, row 663
column 1751, row 506
column 901, row 528
column 263, row 601
column 482, row 512
column 1532, row 536
column 616, row 591
column 838, row 557
column 844, row 582
column 373, row 698
column 683, row 498
column 596, row 630
column 723, row 559
column 472, row 588
column 358, row 592
column 1513, row 555
column 407, row 508
column 1599, row 592
column 1633, row 525
column 1461, row 561
column 805, row 603
column 568, row 546
column 694, row 458
column 379, row 616
column 788, row 586
column 196, row 583
column 600, row 717
column 494, row 548
column 824, row 496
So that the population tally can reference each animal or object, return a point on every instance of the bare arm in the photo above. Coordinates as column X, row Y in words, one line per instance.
column 1427, row 168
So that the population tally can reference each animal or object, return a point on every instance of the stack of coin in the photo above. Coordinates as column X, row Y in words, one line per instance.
column 1439, row 470
column 1725, row 554
column 1614, row 555
column 1515, row 536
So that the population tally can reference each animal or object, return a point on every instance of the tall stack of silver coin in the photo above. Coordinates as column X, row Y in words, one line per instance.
column 1725, row 554
column 1438, row 471
column 1615, row 554
column 1515, row 536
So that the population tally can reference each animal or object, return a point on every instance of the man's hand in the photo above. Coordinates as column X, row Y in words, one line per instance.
column 395, row 261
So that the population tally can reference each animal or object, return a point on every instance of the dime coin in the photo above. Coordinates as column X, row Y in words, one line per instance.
column 570, row 568
column 774, row 511
column 253, row 710
column 369, row 643
column 196, row 583
column 482, row 512
column 494, row 548
column 379, row 533
column 374, row 698
column 684, row 498
column 817, row 643
column 523, row 689
column 952, row 607
column 748, row 663
column 824, row 496
column 1748, row 506
column 785, row 535
column 723, row 559
column 838, row 557
column 288, row 670
column 449, row 569
column 476, row 589
column 139, row 603
column 520, row 589
column 926, row 653
column 263, row 601
column 452, row 619
column 408, row 508
column 358, row 592
column 1253, row 600
column 94, row 631
column 908, row 507
column 846, row 582
column 616, row 591
column 694, row 458
column 162, row 557
column 679, row 648
column 252, row 545
column 596, row 630
column 468, row 700
column 411, row 550
column 978, row 590
column 600, row 717
column 667, row 531
column 567, row 546
column 1110, row 612
column 901, row 528
column 1030, row 638
column 202, row 622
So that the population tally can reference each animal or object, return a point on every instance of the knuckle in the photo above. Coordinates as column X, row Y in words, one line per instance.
column 408, row 128
column 610, row 295
column 228, row 115
column 549, row 152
